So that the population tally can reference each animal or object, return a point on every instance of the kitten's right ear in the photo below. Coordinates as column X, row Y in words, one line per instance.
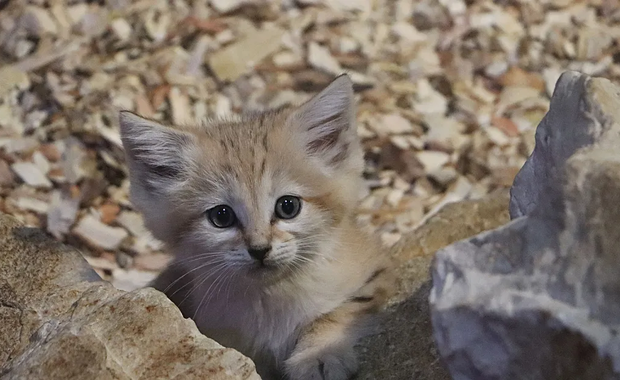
column 157, row 155
column 327, row 123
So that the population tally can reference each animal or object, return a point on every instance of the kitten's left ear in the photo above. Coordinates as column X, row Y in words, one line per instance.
column 327, row 123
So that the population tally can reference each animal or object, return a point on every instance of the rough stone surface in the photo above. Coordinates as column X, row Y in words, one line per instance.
column 59, row 320
column 539, row 297
column 564, row 129
column 405, row 348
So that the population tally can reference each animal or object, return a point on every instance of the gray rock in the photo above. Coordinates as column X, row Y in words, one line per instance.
column 539, row 298
column 59, row 320
column 564, row 129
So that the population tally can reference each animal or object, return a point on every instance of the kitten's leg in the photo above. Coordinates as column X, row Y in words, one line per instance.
column 325, row 350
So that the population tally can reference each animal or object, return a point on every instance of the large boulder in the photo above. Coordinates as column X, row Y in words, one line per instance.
column 405, row 348
column 59, row 320
column 539, row 298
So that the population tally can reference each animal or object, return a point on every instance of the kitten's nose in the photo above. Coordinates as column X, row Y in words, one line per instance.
column 259, row 253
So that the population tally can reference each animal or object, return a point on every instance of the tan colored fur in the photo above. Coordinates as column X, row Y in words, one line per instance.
column 324, row 278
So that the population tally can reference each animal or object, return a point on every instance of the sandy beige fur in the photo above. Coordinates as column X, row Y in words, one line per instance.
column 299, row 314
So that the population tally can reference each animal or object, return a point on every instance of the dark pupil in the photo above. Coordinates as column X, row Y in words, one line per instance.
column 288, row 206
column 223, row 216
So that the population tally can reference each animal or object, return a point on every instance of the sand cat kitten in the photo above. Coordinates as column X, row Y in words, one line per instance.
column 259, row 213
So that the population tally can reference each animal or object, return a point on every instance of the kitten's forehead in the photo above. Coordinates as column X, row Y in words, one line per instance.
column 252, row 161
column 248, row 130
column 249, row 158
column 250, row 148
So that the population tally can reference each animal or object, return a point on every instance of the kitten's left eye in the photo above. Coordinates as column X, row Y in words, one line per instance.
column 288, row 207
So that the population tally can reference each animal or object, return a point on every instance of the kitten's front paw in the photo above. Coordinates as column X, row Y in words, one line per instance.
column 328, row 365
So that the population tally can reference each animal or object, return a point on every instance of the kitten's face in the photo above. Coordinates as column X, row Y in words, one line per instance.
column 255, row 201
column 259, row 195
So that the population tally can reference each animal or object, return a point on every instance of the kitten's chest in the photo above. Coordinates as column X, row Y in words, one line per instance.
column 255, row 322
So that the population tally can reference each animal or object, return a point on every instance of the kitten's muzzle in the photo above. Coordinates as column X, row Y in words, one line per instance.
column 259, row 253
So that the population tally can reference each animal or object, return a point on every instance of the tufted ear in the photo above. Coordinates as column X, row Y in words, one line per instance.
column 327, row 123
column 157, row 156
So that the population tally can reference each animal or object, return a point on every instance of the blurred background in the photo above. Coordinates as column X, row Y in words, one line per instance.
column 449, row 96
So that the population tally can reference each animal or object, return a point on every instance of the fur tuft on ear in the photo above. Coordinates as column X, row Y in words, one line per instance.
column 327, row 123
column 156, row 154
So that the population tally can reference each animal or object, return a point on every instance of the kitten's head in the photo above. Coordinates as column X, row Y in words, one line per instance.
column 260, row 194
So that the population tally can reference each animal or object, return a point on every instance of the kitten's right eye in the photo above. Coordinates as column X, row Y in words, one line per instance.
column 222, row 216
